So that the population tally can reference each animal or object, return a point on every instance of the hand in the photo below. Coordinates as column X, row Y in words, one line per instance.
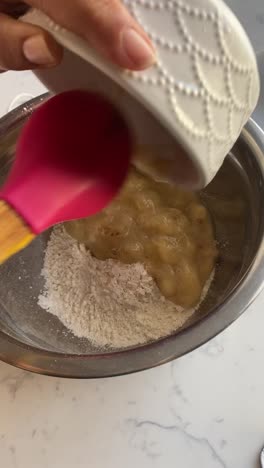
column 105, row 24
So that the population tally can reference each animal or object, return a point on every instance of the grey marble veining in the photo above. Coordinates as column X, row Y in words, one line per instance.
column 205, row 410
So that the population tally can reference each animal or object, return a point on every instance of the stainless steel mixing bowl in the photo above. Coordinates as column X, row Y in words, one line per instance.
column 35, row 340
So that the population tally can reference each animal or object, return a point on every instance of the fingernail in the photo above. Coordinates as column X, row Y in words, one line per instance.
column 36, row 51
column 136, row 49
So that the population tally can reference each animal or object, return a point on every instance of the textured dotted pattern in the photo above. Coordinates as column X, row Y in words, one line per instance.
column 201, row 87
column 204, row 85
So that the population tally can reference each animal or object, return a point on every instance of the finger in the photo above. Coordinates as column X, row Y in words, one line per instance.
column 107, row 26
column 25, row 46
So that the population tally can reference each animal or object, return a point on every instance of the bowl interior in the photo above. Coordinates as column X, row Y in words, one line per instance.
column 234, row 200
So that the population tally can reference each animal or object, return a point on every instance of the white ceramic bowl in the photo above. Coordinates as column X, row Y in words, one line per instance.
column 200, row 93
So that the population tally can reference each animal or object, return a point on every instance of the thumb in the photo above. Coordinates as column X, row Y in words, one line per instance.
column 107, row 26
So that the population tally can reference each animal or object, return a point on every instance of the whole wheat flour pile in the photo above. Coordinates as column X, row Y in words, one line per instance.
column 109, row 303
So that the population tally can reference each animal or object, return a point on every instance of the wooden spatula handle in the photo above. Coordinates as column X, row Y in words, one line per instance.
column 14, row 233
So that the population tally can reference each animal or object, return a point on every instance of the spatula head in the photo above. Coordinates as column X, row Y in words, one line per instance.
column 72, row 158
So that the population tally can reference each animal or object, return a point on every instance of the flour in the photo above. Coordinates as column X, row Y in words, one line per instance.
column 109, row 303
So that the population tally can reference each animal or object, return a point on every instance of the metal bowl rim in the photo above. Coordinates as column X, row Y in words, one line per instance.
column 49, row 363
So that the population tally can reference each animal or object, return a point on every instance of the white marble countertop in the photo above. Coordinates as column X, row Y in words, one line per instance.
column 204, row 410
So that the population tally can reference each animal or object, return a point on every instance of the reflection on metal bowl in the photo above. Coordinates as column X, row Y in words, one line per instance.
column 35, row 340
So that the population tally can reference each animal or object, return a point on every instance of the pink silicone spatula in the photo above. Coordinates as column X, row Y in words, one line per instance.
column 72, row 157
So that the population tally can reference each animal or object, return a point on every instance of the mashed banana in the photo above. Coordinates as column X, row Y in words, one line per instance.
column 161, row 226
